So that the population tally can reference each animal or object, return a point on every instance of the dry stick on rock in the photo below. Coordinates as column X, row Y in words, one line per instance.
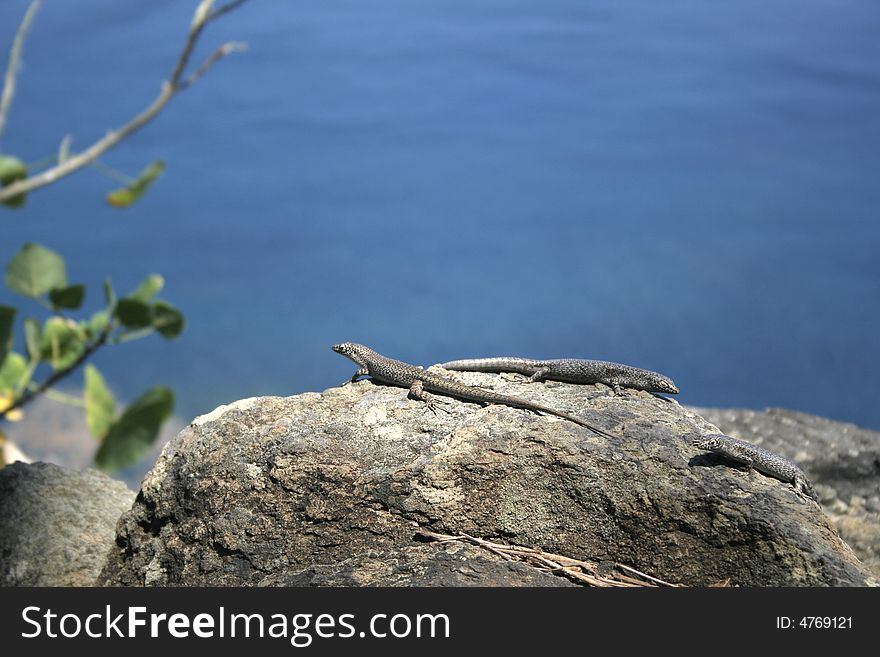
column 205, row 13
column 582, row 572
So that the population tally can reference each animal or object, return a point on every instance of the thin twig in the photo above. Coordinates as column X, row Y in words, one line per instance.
column 582, row 572
column 110, row 172
column 14, row 61
column 64, row 398
column 222, row 9
column 64, row 148
column 200, row 20
column 169, row 88
column 57, row 375
column 216, row 56
column 641, row 574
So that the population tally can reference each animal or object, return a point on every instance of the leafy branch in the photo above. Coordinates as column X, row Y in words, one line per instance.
column 17, row 181
column 64, row 345
column 60, row 345
column 58, row 375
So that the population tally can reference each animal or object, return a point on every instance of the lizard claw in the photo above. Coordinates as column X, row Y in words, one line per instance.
column 804, row 490
column 435, row 404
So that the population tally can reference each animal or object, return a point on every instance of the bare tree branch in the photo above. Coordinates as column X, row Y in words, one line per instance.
column 14, row 61
column 169, row 88
column 200, row 20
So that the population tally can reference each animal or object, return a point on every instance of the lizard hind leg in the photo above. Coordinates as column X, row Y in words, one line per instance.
column 539, row 375
column 417, row 391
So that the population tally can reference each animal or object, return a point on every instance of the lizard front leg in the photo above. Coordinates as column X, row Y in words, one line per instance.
column 803, row 489
column 354, row 377
column 737, row 457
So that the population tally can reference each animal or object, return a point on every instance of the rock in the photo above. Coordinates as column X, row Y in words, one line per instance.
column 56, row 525
column 451, row 564
column 841, row 459
column 331, row 488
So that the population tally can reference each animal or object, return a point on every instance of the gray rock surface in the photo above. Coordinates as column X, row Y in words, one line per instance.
column 56, row 525
column 330, row 489
column 841, row 459
column 451, row 564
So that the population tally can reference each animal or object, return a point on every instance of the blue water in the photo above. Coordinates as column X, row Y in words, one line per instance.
column 690, row 187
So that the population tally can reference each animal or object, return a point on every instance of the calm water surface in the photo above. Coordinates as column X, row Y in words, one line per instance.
column 690, row 187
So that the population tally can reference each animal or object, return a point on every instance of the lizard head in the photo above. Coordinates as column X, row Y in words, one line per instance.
column 351, row 350
column 661, row 383
column 710, row 443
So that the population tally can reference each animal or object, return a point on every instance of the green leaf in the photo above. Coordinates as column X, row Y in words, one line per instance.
column 132, row 435
column 11, row 170
column 12, row 371
column 70, row 297
column 150, row 287
column 7, row 318
column 32, row 338
column 124, row 197
column 133, row 313
column 97, row 323
column 109, row 294
column 35, row 270
column 167, row 319
column 100, row 404
column 62, row 342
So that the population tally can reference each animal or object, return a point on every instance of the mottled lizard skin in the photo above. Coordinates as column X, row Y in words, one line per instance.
column 421, row 382
column 572, row 370
column 757, row 458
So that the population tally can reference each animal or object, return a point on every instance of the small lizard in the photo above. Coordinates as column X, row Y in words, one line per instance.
column 758, row 458
column 571, row 370
column 421, row 383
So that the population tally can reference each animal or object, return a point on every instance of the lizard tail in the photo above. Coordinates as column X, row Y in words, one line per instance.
column 482, row 396
column 529, row 406
column 502, row 364
column 582, row 423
